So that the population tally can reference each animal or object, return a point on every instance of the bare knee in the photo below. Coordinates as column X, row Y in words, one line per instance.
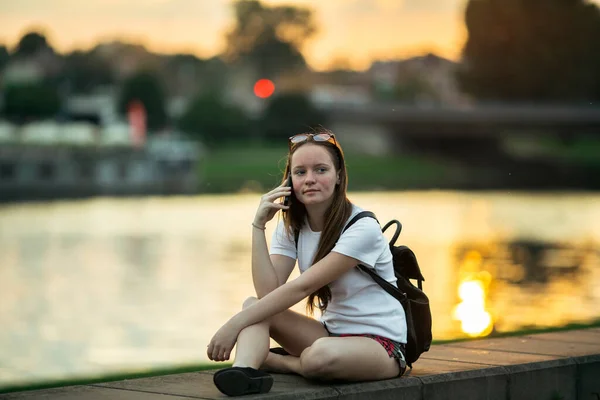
column 249, row 301
column 319, row 360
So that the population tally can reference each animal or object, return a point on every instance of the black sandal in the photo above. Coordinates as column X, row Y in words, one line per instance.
column 239, row 381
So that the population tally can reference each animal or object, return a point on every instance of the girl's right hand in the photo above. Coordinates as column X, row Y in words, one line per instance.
column 268, row 207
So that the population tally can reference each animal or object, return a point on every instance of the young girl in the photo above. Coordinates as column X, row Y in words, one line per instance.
column 362, row 330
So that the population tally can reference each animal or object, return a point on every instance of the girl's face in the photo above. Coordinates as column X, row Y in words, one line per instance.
column 314, row 176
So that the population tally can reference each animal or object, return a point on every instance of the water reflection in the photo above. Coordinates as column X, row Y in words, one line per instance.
column 119, row 284
column 535, row 283
column 472, row 309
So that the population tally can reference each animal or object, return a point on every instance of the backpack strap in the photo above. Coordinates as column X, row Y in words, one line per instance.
column 388, row 287
column 358, row 216
column 398, row 230
column 385, row 285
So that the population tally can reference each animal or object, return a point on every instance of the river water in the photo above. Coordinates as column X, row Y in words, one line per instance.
column 114, row 285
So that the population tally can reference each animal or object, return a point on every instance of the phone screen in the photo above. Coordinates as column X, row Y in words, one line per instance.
column 286, row 199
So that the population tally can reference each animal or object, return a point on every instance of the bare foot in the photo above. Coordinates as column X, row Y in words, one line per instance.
column 275, row 363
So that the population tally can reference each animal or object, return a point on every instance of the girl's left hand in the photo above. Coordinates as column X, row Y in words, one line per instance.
column 221, row 345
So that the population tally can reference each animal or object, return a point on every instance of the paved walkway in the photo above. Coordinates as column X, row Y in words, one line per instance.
column 548, row 366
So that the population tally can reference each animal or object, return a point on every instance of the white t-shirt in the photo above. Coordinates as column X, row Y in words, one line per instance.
column 358, row 304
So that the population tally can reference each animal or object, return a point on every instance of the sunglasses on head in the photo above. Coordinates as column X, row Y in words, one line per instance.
column 316, row 137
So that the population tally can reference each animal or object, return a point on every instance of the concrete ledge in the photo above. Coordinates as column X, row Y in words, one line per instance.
column 408, row 388
column 488, row 383
column 588, row 377
column 88, row 392
column 547, row 380
column 552, row 366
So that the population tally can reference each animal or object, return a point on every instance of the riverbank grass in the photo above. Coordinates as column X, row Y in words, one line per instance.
column 258, row 168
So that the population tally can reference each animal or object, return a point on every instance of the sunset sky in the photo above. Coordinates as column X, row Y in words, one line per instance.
column 357, row 30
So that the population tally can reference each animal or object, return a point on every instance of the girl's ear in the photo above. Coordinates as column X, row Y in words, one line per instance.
column 338, row 178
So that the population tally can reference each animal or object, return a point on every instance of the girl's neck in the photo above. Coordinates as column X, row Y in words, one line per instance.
column 316, row 215
column 316, row 219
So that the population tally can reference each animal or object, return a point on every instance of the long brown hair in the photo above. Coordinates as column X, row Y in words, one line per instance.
column 335, row 218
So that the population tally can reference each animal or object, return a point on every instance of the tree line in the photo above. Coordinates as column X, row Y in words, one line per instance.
column 263, row 39
column 532, row 51
column 516, row 51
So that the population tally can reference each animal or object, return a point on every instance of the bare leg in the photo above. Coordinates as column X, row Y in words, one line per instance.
column 348, row 358
column 293, row 331
column 252, row 346
column 282, row 364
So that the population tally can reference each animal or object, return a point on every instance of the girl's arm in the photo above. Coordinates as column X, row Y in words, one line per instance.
column 330, row 268
column 268, row 272
column 268, row 275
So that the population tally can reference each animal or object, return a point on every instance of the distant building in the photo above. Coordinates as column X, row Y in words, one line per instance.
column 46, row 160
column 99, row 106
column 427, row 80
column 325, row 96
column 340, row 87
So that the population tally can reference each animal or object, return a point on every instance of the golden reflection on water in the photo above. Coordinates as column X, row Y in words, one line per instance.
column 112, row 285
column 472, row 311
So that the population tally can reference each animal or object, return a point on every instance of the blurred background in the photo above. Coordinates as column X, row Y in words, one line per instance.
column 136, row 139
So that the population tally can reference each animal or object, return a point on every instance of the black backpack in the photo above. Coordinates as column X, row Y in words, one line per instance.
column 414, row 301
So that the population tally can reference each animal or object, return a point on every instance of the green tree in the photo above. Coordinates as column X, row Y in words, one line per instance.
column 214, row 121
column 4, row 57
column 185, row 75
column 82, row 72
column 31, row 101
column 288, row 114
column 532, row 50
column 145, row 87
column 269, row 38
column 31, row 43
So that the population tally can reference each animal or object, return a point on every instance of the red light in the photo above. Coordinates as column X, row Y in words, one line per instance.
column 263, row 88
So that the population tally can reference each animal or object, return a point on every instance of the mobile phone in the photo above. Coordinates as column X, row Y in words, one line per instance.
column 286, row 199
